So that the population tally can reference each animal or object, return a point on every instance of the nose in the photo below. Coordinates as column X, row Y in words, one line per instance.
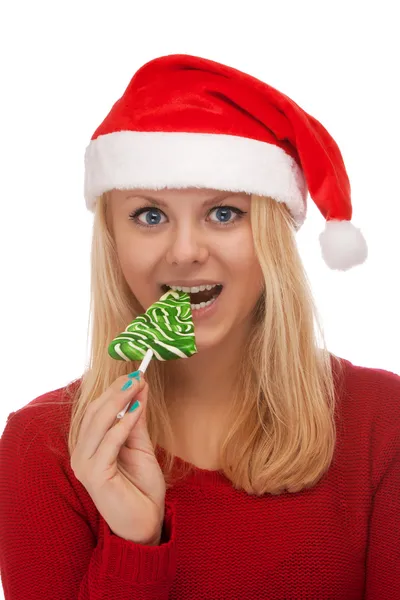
column 187, row 245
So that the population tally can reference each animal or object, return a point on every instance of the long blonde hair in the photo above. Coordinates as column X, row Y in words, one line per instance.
column 281, row 430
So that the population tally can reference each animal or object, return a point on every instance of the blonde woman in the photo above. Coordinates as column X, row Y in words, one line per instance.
column 263, row 466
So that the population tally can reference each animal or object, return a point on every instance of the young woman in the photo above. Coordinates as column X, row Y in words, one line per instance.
column 263, row 466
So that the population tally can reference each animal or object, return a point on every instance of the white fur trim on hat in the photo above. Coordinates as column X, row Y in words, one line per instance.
column 156, row 160
column 343, row 245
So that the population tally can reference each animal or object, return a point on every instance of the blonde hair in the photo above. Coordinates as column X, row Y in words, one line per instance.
column 280, row 432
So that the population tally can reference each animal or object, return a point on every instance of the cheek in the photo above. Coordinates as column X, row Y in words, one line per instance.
column 135, row 264
column 240, row 256
column 132, row 268
column 245, row 270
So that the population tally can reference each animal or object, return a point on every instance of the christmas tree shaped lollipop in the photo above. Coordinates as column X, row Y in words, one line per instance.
column 165, row 330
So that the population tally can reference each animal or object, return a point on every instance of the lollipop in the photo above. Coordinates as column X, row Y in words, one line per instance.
column 165, row 330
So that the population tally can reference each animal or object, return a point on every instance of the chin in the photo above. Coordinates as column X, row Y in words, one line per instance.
column 207, row 340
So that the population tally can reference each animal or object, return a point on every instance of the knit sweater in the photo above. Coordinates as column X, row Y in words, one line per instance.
column 339, row 540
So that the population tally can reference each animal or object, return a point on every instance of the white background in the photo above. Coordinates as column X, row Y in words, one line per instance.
column 63, row 67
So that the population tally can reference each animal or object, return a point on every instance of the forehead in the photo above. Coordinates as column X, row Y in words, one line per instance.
column 171, row 193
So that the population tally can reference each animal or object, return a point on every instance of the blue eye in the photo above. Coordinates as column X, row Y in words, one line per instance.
column 224, row 213
column 153, row 215
column 151, row 218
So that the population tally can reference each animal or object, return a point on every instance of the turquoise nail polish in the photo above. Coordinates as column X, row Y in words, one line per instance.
column 134, row 406
column 126, row 386
column 135, row 374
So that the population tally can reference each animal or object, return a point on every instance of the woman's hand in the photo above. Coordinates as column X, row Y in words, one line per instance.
column 130, row 493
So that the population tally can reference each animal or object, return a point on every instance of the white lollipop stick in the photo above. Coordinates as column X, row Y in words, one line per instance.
column 142, row 368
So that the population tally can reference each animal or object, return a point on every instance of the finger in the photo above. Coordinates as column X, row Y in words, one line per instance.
column 115, row 438
column 111, row 394
column 138, row 437
column 102, row 415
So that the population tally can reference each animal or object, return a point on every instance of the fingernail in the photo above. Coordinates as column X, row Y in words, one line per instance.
column 134, row 406
column 135, row 374
column 126, row 385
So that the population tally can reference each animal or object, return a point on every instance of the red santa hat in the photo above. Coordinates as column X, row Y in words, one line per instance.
column 185, row 121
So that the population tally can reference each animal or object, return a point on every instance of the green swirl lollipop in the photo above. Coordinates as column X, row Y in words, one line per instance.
column 166, row 328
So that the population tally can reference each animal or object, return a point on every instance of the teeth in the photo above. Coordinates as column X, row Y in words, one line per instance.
column 193, row 290
column 202, row 304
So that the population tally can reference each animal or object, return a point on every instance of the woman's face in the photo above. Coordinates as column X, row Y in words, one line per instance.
column 188, row 237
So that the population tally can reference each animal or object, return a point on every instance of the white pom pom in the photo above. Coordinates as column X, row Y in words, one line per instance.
column 343, row 245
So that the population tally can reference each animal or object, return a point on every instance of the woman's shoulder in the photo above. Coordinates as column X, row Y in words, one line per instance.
column 46, row 416
column 371, row 403
column 373, row 381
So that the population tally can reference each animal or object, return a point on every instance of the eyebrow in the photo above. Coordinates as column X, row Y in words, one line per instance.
column 158, row 202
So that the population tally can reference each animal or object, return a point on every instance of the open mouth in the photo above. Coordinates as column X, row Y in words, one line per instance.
column 202, row 296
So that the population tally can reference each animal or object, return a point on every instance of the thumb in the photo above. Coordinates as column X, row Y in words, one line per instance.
column 139, row 436
column 142, row 396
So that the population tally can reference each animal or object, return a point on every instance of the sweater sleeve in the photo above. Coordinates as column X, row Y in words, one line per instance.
column 49, row 549
column 383, row 556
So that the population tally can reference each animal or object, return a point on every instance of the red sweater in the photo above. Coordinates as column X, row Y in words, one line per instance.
column 337, row 541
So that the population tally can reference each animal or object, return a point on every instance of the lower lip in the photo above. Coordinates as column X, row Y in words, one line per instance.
column 206, row 311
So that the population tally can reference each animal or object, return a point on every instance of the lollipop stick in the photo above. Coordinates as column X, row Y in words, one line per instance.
column 142, row 368
column 146, row 360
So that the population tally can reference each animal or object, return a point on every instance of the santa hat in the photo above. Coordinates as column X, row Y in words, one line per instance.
column 185, row 121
